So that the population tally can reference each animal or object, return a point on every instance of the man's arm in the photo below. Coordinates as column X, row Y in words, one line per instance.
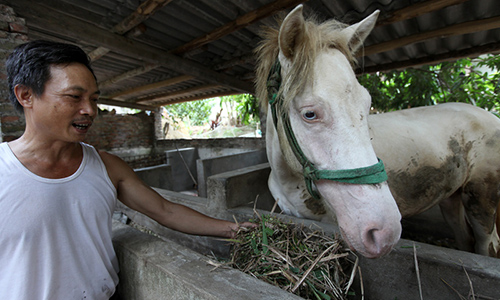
column 137, row 195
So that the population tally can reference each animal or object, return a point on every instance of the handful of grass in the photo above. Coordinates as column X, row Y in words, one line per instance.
column 297, row 259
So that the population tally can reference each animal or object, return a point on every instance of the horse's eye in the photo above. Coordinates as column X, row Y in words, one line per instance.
column 310, row 115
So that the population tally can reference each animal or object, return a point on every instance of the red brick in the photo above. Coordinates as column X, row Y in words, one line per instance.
column 4, row 26
column 7, row 119
column 4, row 9
column 18, row 27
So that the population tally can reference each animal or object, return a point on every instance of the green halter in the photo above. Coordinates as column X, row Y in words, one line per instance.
column 367, row 175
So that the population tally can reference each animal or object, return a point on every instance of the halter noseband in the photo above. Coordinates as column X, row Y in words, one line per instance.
column 367, row 175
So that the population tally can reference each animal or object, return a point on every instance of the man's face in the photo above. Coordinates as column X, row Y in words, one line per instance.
column 66, row 109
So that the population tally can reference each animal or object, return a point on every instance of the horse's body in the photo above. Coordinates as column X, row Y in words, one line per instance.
column 448, row 154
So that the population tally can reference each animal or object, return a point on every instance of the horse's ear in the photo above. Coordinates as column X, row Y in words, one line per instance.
column 291, row 32
column 357, row 33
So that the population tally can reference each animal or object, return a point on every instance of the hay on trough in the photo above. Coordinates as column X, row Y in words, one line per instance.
column 295, row 258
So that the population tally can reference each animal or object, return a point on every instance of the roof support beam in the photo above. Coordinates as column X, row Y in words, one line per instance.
column 458, row 29
column 138, row 71
column 416, row 10
column 143, row 12
column 58, row 23
column 434, row 59
column 240, row 22
column 193, row 98
column 218, row 33
column 152, row 86
column 163, row 96
column 106, row 101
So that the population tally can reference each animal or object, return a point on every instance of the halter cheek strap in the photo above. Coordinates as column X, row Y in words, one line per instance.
column 367, row 175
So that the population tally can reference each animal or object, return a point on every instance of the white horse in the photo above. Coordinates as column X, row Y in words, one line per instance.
column 323, row 146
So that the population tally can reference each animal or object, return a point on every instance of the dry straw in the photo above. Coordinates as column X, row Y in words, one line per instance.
column 295, row 258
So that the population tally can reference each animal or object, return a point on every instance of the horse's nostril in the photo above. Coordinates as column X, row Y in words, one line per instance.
column 377, row 242
column 371, row 236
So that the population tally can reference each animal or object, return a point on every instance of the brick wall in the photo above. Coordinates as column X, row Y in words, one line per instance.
column 121, row 134
column 112, row 131
column 13, row 32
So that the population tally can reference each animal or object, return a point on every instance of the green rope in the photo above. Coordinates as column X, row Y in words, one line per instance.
column 367, row 175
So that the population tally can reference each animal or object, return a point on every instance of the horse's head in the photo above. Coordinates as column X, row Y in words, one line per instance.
column 328, row 111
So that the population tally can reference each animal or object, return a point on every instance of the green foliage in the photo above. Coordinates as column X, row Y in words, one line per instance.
column 458, row 81
column 195, row 112
column 295, row 258
column 245, row 106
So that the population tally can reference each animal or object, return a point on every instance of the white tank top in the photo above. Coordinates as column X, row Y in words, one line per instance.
column 55, row 234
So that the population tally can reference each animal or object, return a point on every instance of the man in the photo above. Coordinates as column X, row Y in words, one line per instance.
column 58, row 194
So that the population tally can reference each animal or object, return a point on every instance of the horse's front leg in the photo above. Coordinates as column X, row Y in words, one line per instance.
column 481, row 204
column 452, row 210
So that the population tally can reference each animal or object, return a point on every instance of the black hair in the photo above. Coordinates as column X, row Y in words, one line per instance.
column 29, row 65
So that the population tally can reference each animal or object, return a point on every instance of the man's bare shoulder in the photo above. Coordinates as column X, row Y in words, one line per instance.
column 110, row 160
column 118, row 169
column 107, row 156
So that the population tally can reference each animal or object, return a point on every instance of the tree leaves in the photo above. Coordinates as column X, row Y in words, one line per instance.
column 465, row 80
column 197, row 113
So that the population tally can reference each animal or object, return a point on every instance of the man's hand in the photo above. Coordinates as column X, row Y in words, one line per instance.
column 236, row 227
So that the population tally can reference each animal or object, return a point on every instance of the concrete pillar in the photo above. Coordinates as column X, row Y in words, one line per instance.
column 158, row 126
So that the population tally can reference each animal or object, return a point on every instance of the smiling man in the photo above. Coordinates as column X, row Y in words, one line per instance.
column 58, row 194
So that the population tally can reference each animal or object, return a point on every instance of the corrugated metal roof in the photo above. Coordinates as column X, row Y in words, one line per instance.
column 154, row 64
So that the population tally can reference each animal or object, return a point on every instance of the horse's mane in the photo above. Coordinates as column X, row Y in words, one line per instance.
column 318, row 36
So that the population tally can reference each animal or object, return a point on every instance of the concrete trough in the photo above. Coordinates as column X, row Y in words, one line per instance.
column 152, row 269
column 216, row 165
column 162, row 268
column 442, row 273
column 188, row 169
column 158, row 176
